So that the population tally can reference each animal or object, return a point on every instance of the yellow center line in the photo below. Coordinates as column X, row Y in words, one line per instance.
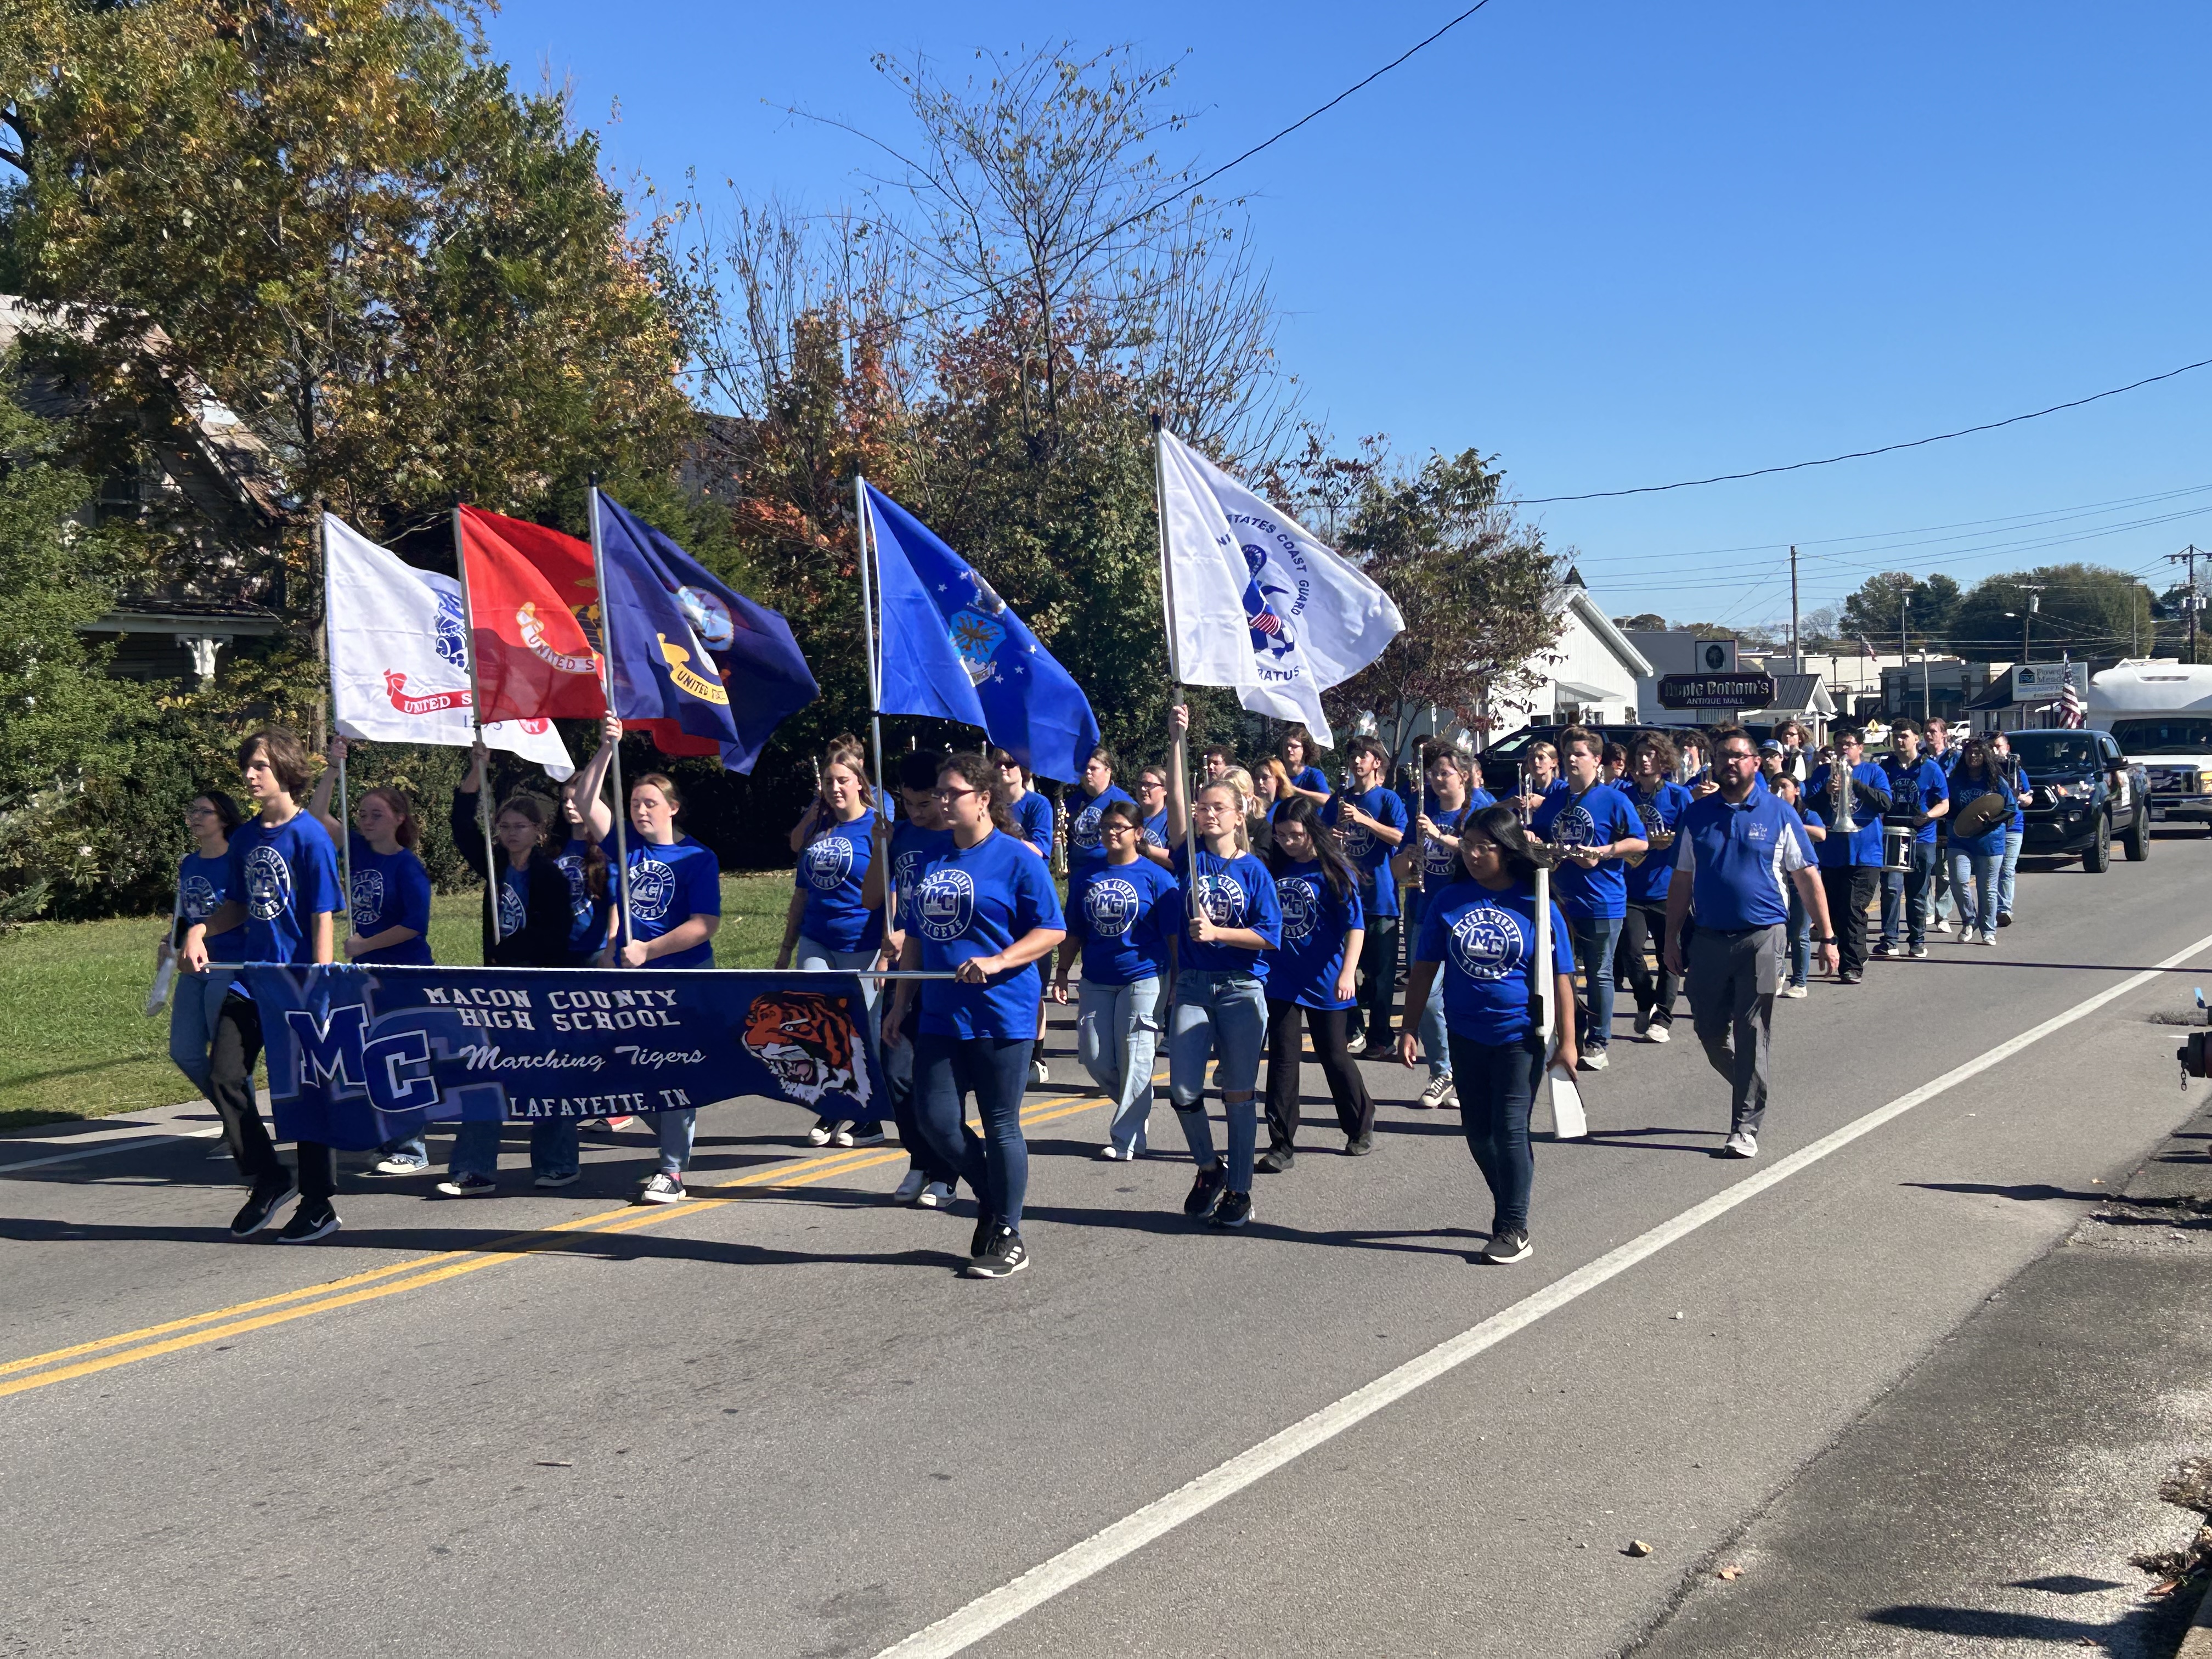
column 154, row 1340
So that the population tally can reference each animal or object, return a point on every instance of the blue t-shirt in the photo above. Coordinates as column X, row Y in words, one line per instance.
column 1032, row 816
column 1310, row 777
column 392, row 890
column 1739, row 860
column 1365, row 852
column 1487, row 943
column 588, row 918
column 974, row 901
column 1086, row 850
column 1963, row 790
column 202, row 888
column 1647, row 882
column 1316, row 919
column 1841, row 851
column 668, row 886
column 1128, row 916
column 1440, row 865
column 1156, row 829
column 832, row 868
column 912, row 847
column 1597, row 817
column 1234, row 892
column 285, row 876
column 1916, row 789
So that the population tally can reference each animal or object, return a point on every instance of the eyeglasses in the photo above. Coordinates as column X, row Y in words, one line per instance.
column 946, row 797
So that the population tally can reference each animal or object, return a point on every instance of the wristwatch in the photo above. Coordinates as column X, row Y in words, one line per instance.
column 1831, row 940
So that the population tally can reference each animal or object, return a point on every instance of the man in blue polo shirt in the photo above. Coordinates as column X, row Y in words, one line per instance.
column 1738, row 851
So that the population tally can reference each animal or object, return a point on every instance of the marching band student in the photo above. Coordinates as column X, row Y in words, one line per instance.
column 1920, row 796
column 1849, row 863
column 1215, row 760
column 1594, row 829
column 1273, row 786
column 1152, row 797
column 1616, row 762
column 675, row 888
column 582, row 855
column 1428, row 862
column 1086, row 850
column 1123, row 916
column 537, row 920
column 1370, row 824
column 1480, row 929
column 1541, row 778
column 918, row 838
column 2015, row 777
column 1945, row 754
column 986, row 910
column 1659, row 804
column 1800, row 923
column 1296, row 751
column 203, row 885
column 829, row 925
column 1220, row 1010
column 1313, row 975
column 284, row 882
column 1028, row 809
column 1259, row 834
column 1738, row 853
column 1978, row 861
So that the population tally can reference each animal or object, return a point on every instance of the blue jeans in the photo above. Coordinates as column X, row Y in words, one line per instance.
column 1117, row 1030
column 898, row 1080
column 2013, row 839
column 1974, row 879
column 1904, row 896
column 1801, row 939
column 553, row 1149
column 1222, row 1017
column 192, row 1016
column 1436, row 1049
column 1595, row 938
column 995, row 1070
column 811, row 955
column 1496, row 1087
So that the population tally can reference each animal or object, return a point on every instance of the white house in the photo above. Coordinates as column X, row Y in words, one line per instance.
column 1591, row 673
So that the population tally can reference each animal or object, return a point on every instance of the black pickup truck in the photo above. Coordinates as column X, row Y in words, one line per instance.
column 2086, row 795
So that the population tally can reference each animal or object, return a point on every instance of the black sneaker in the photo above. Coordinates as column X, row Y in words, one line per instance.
column 261, row 1207
column 309, row 1223
column 1234, row 1210
column 981, row 1237
column 2004, row 918
column 1882, row 947
column 1205, row 1191
column 1511, row 1245
column 1275, row 1160
column 1359, row 1145
column 1002, row 1254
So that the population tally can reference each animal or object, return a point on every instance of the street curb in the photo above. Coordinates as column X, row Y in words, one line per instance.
column 2196, row 1640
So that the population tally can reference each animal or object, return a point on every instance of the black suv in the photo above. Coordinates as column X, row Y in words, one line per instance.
column 2086, row 795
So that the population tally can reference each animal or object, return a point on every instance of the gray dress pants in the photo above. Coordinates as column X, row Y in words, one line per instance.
column 1733, row 978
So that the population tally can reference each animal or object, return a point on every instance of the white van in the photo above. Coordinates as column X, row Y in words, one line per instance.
column 2159, row 710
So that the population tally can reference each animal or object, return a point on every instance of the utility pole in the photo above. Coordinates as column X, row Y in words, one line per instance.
column 2034, row 591
column 1904, row 650
column 2189, row 555
column 1796, row 643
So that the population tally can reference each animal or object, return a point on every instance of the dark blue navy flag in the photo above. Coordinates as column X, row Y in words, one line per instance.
column 951, row 647
column 688, row 654
column 358, row 1056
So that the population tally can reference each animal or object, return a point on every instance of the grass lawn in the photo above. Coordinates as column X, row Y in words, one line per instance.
column 74, row 1041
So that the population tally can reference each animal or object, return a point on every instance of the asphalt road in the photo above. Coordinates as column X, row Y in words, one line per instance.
column 777, row 1422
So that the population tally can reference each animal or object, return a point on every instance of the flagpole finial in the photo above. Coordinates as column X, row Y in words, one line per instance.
column 1158, row 418
column 590, row 481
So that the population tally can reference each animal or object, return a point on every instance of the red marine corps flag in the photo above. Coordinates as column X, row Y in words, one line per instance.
column 529, row 592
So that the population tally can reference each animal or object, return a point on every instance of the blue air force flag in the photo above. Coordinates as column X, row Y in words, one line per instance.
column 953, row 648
column 1259, row 604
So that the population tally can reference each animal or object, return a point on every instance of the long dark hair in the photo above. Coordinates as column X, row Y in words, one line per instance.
column 1502, row 825
column 1301, row 810
column 983, row 776
column 1977, row 760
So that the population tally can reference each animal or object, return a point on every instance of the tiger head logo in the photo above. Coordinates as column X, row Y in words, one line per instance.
column 806, row 1039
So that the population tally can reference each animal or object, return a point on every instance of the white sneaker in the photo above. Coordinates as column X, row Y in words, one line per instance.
column 1940, row 925
column 1592, row 1060
column 1742, row 1144
column 1039, row 1071
column 395, row 1164
column 1657, row 1033
column 909, row 1189
column 1439, row 1094
column 820, row 1134
column 1795, row 993
column 1986, row 938
column 663, row 1188
column 937, row 1195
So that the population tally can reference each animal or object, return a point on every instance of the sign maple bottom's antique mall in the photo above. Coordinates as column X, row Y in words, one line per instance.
column 1715, row 690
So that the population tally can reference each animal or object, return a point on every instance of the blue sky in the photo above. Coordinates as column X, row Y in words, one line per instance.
column 1619, row 244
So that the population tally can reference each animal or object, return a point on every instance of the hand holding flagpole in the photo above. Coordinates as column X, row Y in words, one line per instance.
column 620, row 807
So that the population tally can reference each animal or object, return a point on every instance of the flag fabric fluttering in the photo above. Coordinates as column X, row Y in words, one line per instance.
column 2069, row 700
column 953, row 648
column 1258, row 604
column 399, row 656
column 706, row 668
column 534, row 659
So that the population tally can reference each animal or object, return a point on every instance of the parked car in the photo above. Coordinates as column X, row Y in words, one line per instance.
column 2087, row 794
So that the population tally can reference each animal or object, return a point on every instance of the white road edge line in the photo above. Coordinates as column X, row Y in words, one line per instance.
column 130, row 1144
column 1000, row 1607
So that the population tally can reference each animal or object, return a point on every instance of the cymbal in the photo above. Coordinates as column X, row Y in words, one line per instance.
column 1979, row 814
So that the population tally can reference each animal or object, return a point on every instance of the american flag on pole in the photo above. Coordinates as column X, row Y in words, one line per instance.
column 2069, row 700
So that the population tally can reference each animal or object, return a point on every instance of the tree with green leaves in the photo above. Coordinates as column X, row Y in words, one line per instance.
column 2085, row 610
column 1897, row 611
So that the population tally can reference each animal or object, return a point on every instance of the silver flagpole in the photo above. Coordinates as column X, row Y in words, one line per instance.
column 476, row 723
column 860, row 524
column 607, row 691
column 1179, row 757
column 330, row 660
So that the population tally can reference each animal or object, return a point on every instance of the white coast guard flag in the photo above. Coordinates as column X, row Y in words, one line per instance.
column 399, row 656
column 1259, row 604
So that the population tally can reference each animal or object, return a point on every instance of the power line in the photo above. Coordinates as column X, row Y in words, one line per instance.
column 1862, row 454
